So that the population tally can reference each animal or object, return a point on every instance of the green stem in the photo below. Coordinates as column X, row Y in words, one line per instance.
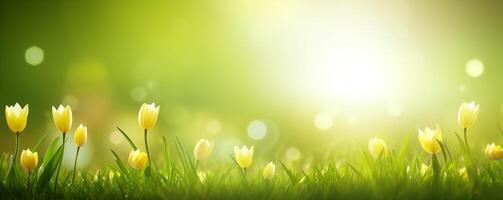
column 75, row 164
column 197, row 164
column 15, row 152
column 28, row 183
column 11, row 174
column 436, row 168
column 466, row 142
column 59, row 165
column 146, row 147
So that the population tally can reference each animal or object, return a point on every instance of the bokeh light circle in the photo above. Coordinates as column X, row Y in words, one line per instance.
column 213, row 126
column 257, row 130
column 34, row 55
column 323, row 121
column 116, row 138
column 474, row 68
column 293, row 154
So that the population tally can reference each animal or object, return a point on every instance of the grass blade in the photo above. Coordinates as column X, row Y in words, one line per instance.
column 290, row 174
column 35, row 148
column 49, row 169
column 119, row 162
column 127, row 138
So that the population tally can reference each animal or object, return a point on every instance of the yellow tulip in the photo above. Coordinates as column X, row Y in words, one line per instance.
column 467, row 114
column 16, row 117
column 203, row 149
column 138, row 159
column 147, row 117
column 463, row 174
column 269, row 170
column 80, row 136
column 29, row 160
column 377, row 147
column 202, row 176
column 428, row 139
column 494, row 152
column 244, row 156
column 62, row 118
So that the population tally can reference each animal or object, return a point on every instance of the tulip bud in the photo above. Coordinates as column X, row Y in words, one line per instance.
column 147, row 117
column 80, row 136
column 244, row 156
column 203, row 149
column 16, row 117
column 269, row 170
column 430, row 139
column 62, row 118
column 29, row 160
column 202, row 176
column 494, row 152
column 137, row 159
column 467, row 114
column 463, row 174
column 377, row 147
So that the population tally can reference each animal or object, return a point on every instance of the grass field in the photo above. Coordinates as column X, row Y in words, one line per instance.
column 390, row 175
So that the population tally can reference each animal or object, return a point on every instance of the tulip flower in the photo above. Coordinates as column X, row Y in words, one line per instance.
column 147, row 118
column 244, row 156
column 137, row 159
column 79, row 138
column 269, row 170
column 430, row 139
column 17, row 118
column 463, row 173
column 494, row 152
column 63, row 120
column 203, row 149
column 377, row 147
column 202, row 176
column 467, row 114
column 29, row 161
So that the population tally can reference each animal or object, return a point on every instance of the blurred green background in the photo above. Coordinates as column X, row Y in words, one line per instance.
column 300, row 80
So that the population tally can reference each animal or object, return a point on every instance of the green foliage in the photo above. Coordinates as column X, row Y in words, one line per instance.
column 389, row 176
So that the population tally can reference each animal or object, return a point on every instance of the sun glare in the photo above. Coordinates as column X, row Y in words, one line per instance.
column 351, row 74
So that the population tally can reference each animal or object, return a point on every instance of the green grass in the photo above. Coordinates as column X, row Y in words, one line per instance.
column 361, row 177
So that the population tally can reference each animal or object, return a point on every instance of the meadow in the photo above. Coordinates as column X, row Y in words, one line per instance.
column 379, row 172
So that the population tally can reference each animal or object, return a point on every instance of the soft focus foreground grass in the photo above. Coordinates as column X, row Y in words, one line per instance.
column 363, row 177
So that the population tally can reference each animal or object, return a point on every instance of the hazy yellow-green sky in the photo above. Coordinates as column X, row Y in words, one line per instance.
column 293, row 78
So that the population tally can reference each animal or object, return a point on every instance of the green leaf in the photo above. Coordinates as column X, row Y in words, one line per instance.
column 354, row 169
column 290, row 174
column 47, row 171
column 39, row 143
column 442, row 148
column 49, row 153
column 127, row 138
column 182, row 154
column 119, row 162
column 166, row 152
column 436, row 167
